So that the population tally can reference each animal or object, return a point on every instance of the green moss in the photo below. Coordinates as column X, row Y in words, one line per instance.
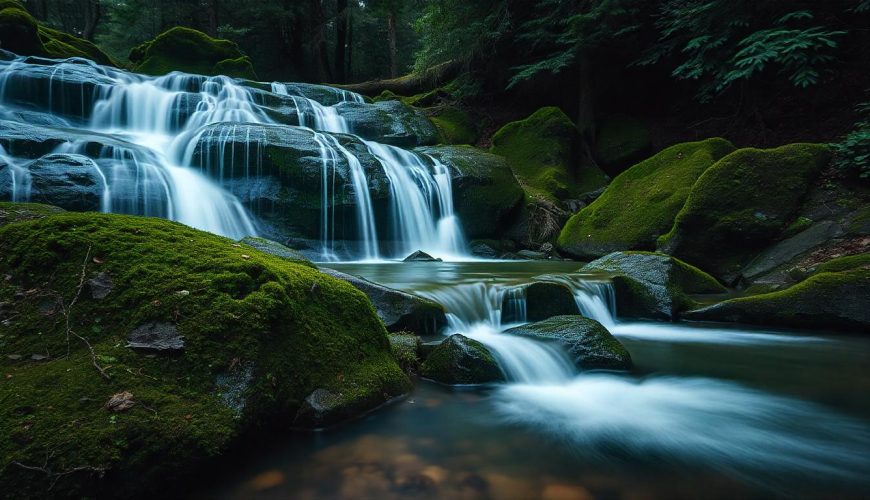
column 797, row 226
column 827, row 300
column 620, row 142
column 846, row 263
column 387, row 95
column 541, row 151
column 22, row 34
column 280, row 329
column 454, row 125
column 405, row 346
column 191, row 51
column 17, row 212
column 640, row 204
column 741, row 204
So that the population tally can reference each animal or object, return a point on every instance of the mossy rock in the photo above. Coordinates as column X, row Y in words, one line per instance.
column 742, row 204
column 831, row 299
column 454, row 125
column 640, row 204
column 654, row 286
column 257, row 342
column 546, row 299
column 461, row 360
column 18, row 212
column 278, row 250
column 22, row 34
column 621, row 141
column 585, row 340
column 542, row 151
column 191, row 51
column 405, row 347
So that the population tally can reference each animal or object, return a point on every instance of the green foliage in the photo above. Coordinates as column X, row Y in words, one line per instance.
column 852, row 153
column 722, row 42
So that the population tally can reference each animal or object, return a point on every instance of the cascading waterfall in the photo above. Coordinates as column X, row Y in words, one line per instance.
column 151, row 163
column 422, row 215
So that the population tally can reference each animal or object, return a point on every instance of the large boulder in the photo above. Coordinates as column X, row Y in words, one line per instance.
column 190, row 51
column 836, row 297
column 621, row 141
column 461, row 360
column 641, row 203
column 71, row 181
column 389, row 122
column 24, row 35
column 257, row 343
column 486, row 196
column 454, row 125
column 587, row 342
column 400, row 311
column 655, row 286
column 542, row 299
column 741, row 205
column 542, row 150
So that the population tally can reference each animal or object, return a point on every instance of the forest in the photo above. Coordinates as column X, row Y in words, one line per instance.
column 426, row 249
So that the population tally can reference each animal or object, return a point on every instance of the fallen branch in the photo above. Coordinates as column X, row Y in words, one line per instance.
column 54, row 477
column 67, row 312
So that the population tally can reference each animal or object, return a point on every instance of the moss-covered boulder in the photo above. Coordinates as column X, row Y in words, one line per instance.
column 461, row 360
column 650, row 285
column 587, row 342
column 621, row 141
column 249, row 341
column 641, row 203
column 486, row 195
column 191, row 51
column 400, row 311
column 278, row 250
column 22, row 34
column 836, row 297
column 405, row 347
column 542, row 151
column 742, row 204
column 18, row 212
column 454, row 125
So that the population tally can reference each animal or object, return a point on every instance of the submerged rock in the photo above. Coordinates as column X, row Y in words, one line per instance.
column 420, row 256
column 641, row 203
column 588, row 343
column 461, row 360
column 650, row 285
column 400, row 311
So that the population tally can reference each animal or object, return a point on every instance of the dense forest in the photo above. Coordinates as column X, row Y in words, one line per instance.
column 426, row 249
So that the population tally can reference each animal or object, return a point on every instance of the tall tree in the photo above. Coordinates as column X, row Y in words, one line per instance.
column 341, row 27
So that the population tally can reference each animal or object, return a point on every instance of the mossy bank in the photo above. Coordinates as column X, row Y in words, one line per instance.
column 199, row 339
column 191, row 51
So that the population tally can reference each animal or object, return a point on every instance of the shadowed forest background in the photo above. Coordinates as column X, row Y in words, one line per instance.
column 752, row 71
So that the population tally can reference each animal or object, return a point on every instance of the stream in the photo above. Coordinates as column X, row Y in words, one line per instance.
column 708, row 410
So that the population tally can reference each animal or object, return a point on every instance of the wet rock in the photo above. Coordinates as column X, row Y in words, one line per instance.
column 786, row 250
column 100, row 285
column 278, row 250
column 532, row 255
column 389, row 122
column 156, row 337
column 461, row 360
column 650, row 285
column 70, row 181
column 420, row 256
column 588, row 343
column 397, row 309
column 232, row 385
column 543, row 300
column 406, row 348
column 482, row 250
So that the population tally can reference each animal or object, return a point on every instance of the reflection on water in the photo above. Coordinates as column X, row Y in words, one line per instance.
column 709, row 411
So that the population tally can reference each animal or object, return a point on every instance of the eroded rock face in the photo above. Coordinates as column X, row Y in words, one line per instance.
column 397, row 309
column 156, row 337
column 461, row 360
column 650, row 285
column 588, row 343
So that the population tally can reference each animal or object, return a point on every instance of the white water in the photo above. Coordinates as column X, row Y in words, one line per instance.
column 163, row 118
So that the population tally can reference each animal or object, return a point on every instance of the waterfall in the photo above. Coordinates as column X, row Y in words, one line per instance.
column 152, row 162
column 476, row 310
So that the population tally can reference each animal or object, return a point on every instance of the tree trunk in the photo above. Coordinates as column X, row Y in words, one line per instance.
column 348, row 73
column 319, row 42
column 340, row 39
column 586, row 111
column 212, row 8
column 394, row 52
column 93, row 13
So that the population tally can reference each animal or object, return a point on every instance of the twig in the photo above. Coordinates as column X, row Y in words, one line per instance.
column 56, row 476
column 67, row 312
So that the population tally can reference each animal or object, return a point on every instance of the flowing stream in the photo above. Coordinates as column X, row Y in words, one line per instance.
column 709, row 410
column 162, row 156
